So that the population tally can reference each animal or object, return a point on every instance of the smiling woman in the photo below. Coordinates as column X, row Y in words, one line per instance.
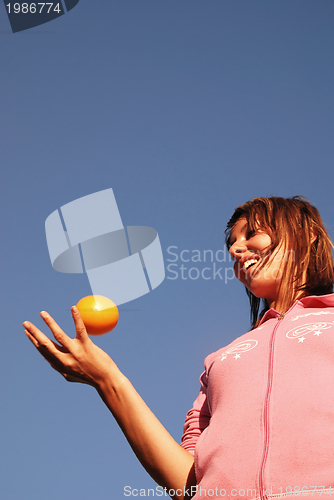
column 292, row 247
column 240, row 438
column 249, row 250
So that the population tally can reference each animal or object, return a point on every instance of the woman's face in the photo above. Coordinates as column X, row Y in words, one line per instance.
column 248, row 250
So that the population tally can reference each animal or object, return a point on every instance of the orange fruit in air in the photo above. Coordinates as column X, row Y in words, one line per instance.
column 99, row 314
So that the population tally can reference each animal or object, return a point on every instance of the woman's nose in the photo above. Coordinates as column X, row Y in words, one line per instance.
column 236, row 250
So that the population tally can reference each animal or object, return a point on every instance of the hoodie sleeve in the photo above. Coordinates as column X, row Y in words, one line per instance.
column 197, row 419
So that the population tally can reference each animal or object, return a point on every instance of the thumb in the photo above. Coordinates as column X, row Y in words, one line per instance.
column 79, row 325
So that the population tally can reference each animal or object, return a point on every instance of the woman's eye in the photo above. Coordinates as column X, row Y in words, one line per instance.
column 250, row 234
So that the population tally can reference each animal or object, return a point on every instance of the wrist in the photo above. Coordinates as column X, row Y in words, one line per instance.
column 110, row 385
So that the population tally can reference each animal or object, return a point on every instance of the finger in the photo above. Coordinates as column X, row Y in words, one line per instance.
column 55, row 361
column 31, row 337
column 58, row 333
column 36, row 336
column 45, row 346
column 79, row 325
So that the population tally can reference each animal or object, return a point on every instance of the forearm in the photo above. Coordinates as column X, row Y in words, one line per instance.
column 164, row 459
column 80, row 360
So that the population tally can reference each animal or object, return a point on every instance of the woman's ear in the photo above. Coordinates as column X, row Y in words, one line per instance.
column 314, row 236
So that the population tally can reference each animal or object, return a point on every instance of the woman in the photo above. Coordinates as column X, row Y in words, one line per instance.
column 263, row 423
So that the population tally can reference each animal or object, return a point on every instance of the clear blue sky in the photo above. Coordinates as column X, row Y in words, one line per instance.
column 186, row 108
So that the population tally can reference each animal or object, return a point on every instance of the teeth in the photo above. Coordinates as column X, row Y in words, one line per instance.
column 249, row 263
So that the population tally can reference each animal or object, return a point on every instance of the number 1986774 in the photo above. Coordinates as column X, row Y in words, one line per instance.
column 33, row 8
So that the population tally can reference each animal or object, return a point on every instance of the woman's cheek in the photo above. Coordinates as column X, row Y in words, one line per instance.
column 238, row 273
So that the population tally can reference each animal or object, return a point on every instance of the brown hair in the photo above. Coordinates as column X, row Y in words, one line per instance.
column 292, row 223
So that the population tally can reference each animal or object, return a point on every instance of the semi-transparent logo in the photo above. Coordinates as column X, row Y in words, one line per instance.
column 88, row 236
column 25, row 15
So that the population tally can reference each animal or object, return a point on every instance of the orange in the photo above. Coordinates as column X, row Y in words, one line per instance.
column 99, row 314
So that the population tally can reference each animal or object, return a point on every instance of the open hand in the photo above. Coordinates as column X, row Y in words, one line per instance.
column 78, row 359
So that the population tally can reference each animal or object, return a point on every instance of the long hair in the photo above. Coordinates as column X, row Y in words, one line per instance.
column 294, row 225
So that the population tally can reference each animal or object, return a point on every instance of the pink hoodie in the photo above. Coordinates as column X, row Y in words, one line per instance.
column 263, row 423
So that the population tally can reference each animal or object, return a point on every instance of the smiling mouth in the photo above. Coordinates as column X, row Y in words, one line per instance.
column 249, row 263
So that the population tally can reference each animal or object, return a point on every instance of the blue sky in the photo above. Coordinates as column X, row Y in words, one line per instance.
column 186, row 109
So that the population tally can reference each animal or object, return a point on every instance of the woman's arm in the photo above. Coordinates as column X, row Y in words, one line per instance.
column 80, row 360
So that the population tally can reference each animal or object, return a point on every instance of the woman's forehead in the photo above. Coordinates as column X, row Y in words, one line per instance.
column 244, row 224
